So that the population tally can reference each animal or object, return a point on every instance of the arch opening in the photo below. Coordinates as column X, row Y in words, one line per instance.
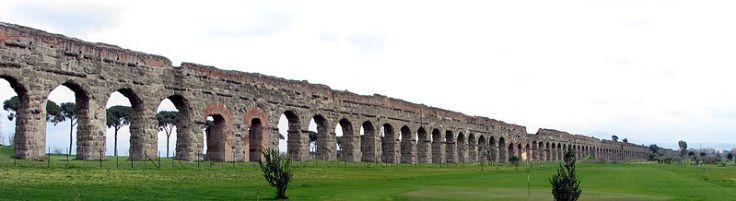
column 407, row 145
column 438, row 147
column 462, row 149
column 344, row 134
column 484, row 149
column 255, row 139
column 216, row 140
column 318, row 137
column 472, row 148
column 15, row 105
column 290, row 136
column 388, row 144
column 450, row 154
column 424, row 146
column 131, row 136
column 503, row 153
column 369, row 142
column 70, row 114
column 173, row 118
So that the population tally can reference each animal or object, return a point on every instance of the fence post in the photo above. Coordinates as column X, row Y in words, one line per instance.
column 101, row 155
column 33, row 154
column 48, row 158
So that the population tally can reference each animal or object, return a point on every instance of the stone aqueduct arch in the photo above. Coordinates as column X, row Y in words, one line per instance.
column 247, row 107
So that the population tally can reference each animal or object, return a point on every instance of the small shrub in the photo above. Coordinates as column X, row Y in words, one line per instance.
column 277, row 171
column 565, row 184
column 515, row 160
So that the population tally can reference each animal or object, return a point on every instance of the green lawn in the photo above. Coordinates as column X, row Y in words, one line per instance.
column 85, row 180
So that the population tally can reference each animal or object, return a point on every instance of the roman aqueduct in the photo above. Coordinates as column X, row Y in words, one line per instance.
column 246, row 108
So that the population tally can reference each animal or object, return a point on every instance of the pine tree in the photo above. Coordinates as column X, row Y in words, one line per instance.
column 565, row 184
column 277, row 170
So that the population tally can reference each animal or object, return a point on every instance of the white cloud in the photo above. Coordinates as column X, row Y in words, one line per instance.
column 650, row 70
column 75, row 18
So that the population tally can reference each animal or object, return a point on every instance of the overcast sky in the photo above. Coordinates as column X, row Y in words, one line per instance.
column 650, row 71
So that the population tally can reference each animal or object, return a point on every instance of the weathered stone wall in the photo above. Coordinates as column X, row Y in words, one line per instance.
column 247, row 107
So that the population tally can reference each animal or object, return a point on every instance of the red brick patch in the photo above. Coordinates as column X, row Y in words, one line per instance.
column 3, row 36
column 218, row 108
column 256, row 112
column 154, row 62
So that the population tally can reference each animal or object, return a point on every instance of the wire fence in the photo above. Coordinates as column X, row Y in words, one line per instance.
column 56, row 160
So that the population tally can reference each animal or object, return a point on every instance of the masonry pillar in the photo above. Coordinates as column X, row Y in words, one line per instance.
column 30, row 130
column 91, row 128
column 462, row 152
column 143, row 130
column 186, row 139
column 370, row 146
column 438, row 151
column 351, row 145
column 408, row 151
column 450, row 152
column 394, row 151
column 492, row 151
column 503, row 155
column 532, row 151
column 424, row 149
column 472, row 152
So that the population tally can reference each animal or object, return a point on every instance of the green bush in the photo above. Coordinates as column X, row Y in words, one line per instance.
column 565, row 184
column 277, row 171
column 515, row 160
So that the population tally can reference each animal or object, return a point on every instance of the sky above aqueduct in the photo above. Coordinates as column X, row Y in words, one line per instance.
column 651, row 71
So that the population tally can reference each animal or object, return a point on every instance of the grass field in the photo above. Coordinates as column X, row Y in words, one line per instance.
column 85, row 180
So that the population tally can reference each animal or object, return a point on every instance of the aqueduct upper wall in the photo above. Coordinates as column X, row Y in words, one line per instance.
column 246, row 108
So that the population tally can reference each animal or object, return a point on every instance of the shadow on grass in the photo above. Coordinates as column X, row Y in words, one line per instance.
column 452, row 193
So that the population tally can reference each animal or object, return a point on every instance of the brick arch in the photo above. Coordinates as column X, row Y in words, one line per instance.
column 257, row 136
column 218, row 108
column 219, row 141
column 347, row 126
